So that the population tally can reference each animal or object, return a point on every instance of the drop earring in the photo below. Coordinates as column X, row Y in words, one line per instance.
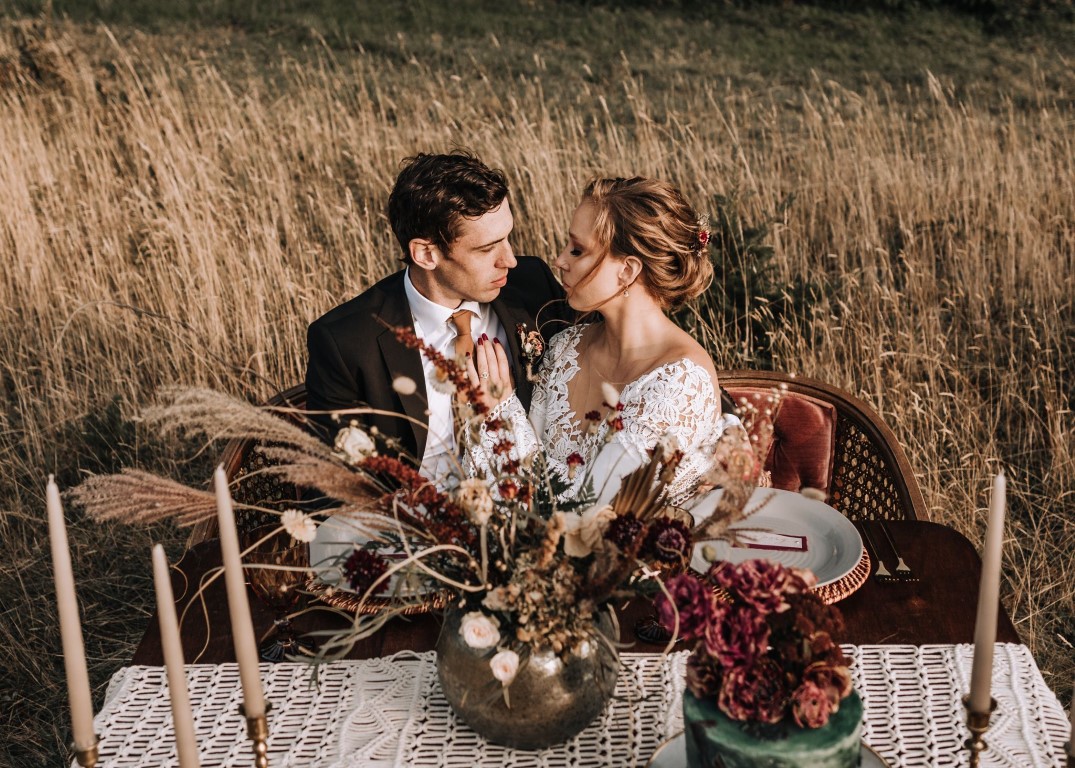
column 625, row 293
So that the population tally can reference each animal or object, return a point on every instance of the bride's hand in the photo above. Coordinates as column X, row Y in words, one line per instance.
column 490, row 372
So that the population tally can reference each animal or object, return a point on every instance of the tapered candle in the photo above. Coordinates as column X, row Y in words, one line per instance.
column 985, row 626
column 186, row 744
column 242, row 628
column 74, row 653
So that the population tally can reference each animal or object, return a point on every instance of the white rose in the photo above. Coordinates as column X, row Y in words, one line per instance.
column 404, row 385
column 299, row 526
column 584, row 533
column 479, row 631
column 474, row 498
column 505, row 665
column 353, row 444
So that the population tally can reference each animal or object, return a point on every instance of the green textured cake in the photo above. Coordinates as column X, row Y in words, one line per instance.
column 715, row 740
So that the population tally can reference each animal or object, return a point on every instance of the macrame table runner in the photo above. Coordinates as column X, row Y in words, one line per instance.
column 387, row 712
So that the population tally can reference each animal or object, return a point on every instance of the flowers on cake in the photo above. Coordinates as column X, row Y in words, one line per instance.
column 763, row 643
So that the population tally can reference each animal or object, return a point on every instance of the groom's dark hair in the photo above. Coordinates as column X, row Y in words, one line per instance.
column 434, row 192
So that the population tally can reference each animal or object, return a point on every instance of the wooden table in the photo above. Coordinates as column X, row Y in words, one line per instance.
column 939, row 608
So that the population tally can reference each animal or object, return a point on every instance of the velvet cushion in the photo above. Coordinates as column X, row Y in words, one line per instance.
column 804, row 441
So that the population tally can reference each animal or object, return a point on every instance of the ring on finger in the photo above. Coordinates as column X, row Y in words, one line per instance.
column 484, row 374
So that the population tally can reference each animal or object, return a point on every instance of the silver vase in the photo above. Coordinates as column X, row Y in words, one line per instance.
column 551, row 698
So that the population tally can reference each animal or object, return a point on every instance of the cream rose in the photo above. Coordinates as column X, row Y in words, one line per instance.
column 479, row 631
column 353, row 444
column 505, row 665
column 584, row 533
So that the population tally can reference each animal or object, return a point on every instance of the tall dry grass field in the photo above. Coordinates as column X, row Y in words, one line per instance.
column 162, row 222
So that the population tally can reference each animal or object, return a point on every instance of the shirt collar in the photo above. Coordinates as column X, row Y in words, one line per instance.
column 429, row 315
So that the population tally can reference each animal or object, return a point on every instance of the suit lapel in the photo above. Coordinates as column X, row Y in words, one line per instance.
column 401, row 361
column 509, row 308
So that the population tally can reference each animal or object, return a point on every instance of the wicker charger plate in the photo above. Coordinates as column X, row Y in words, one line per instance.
column 847, row 584
column 349, row 601
column 835, row 591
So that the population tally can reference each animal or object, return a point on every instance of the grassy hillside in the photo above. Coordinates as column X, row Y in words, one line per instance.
column 184, row 192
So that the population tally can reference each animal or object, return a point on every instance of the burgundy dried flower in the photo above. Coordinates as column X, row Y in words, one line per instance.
column 509, row 467
column 757, row 693
column 820, row 647
column 495, row 424
column 574, row 461
column 695, row 603
column 668, row 541
column 703, row 676
column 625, row 532
column 503, row 447
column 363, row 568
column 616, row 424
column 509, row 489
column 772, row 643
column 703, row 237
column 449, row 369
column 762, row 584
column 834, row 678
column 737, row 636
column 592, row 416
column 420, row 502
column 813, row 616
column 811, row 705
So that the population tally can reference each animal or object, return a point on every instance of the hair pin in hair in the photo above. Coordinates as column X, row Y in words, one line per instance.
column 703, row 231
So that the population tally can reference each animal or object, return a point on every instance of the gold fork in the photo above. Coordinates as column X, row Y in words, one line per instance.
column 903, row 571
column 882, row 573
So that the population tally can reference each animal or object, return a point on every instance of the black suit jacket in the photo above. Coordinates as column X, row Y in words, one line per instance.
column 353, row 356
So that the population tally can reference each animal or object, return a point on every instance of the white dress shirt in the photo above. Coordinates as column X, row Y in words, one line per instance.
column 432, row 325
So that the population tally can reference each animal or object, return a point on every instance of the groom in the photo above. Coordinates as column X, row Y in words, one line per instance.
column 452, row 217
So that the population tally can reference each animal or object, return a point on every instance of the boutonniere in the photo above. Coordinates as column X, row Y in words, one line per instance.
column 532, row 346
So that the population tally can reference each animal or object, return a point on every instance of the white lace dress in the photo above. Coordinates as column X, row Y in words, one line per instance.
column 676, row 399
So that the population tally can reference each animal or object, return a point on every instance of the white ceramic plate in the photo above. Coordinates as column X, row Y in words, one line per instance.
column 673, row 754
column 335, row 540
column 832, row 546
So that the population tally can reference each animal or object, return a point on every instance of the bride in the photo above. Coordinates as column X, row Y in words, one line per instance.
column 635, row 251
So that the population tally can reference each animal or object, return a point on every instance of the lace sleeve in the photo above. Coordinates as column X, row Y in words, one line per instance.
column 678, row 400
column 550, row 371
column 484, row 455
column 487, row 453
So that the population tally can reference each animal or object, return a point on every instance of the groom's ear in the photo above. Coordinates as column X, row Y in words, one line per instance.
column 424, row 254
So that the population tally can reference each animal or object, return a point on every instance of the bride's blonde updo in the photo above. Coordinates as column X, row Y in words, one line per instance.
column 649, row 218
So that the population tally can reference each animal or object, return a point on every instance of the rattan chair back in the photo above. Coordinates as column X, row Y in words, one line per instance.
column 871, row 476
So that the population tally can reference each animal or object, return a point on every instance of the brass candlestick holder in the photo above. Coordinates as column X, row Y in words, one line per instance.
column 977, row 724
column 257, row 728
column 88, row 757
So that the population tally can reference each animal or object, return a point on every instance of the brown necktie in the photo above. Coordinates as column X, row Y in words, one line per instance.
column 464, row 342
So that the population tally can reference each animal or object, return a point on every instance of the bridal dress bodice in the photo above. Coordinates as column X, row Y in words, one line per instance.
column 676, row 399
